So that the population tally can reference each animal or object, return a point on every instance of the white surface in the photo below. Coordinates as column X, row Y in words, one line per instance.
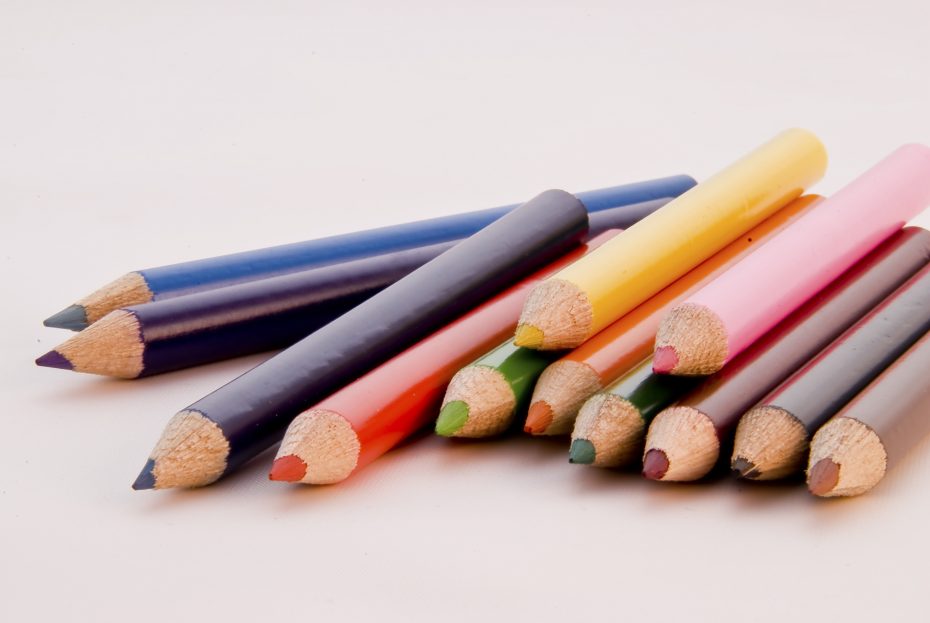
column 135, row 134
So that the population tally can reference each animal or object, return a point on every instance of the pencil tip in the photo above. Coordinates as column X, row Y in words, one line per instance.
column 655, row 464
column 54, row 359
column 146, row 478
column 528, row 336
column 288, row 468
column 73, row 317
column 664, row 360
column 744, row 468
column 582, row 452
column 538, row 418
column 452, row 418
column 823, row 477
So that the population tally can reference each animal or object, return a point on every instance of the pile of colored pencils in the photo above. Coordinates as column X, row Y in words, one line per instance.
column 662, row 322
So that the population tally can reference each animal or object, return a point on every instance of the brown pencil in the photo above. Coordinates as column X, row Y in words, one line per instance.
column 851, row 453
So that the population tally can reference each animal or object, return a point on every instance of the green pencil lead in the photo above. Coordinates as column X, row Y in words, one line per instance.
column 452, row 418
column 582, row 452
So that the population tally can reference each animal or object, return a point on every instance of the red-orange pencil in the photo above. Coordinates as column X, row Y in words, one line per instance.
column 328, row 442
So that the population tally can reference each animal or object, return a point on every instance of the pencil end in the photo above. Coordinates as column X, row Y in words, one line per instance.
column 582, row 452
column 528, row 336
column 692, row 340
column 664, row 360
column 146, row 478
column 744, row 468
column 288, row 468
column 538, row 419
column 452, row 417
column 655, row 464
column 73, row 317
column 823, row 477
column 54, row 359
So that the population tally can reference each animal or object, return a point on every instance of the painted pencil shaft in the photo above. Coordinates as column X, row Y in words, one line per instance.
column 781, row 425
column 566, row 384
column 362, row 421
column 721, row 399
column 851, row 453
column 163, row 282
column 611, row 425
column 141, row 340
column 586, row 297
column 484, row 398
column 246, row 416
column 721, row 320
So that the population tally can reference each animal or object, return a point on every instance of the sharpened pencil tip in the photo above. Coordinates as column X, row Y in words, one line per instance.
column 744, row 468
column 665, row 360
column 146, row 478
column 582, row 452
column 54, row 359
column 823, row 477
column 73, row 317
column 288, row 468
column 655, row 464
column 539, row 418
column 452, row 418
column 528, row 336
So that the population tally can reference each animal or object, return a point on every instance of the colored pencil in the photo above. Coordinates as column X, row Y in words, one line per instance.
column 722, row 319
column 484, row 397
column 714, row 408
column 235, row 423
column 141, row 340
column 566, row 384
column 611, row 425
column 851, row 453
column 570, row 307
column 775, row 434
column 351, row 428
column 152, row 284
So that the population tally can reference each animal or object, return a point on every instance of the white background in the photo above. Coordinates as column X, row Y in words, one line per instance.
column 136, row 134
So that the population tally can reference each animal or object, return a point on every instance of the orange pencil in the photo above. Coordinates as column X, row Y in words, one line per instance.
column 330, row 441
column 566, row 384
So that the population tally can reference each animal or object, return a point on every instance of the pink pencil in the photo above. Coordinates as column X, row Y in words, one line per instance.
column 703, row 333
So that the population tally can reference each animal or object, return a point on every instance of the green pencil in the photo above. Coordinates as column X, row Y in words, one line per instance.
column 484, row 397
column 611, row 425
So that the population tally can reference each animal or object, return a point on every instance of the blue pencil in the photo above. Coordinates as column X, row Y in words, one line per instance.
column 162, row 282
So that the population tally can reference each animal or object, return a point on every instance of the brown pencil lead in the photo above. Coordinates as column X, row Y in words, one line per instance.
column 823, row 477
column 655, row 464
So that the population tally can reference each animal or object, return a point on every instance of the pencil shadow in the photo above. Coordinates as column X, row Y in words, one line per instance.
column 530, row 449
column 101, row 387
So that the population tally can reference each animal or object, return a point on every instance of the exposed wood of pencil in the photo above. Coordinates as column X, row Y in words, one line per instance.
column 559, row 393
column 112, row 346
column 691, row 341
column 130, row 289
column 681, row 445
column 847, row 458
column 770, row 444
column 609, row 432
column 489, row 403
column 557, row 315
column 320, row 448
column 191, row 452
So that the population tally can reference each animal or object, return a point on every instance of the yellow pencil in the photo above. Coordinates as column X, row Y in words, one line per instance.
column 577, row 302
